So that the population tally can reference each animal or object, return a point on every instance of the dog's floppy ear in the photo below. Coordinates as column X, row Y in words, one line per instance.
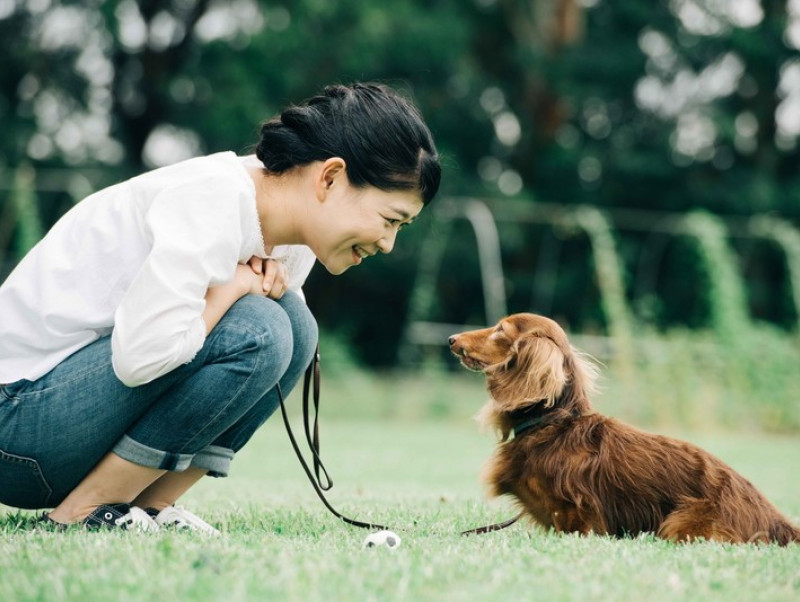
column 533, row 373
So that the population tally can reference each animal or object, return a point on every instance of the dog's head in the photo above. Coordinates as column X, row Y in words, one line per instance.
column 527, row 360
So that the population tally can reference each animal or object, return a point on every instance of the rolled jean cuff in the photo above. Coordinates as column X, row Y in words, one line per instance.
column 138, row 453
column 214, row 459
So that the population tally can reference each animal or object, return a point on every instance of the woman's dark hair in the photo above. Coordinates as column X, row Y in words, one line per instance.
column 379, row 134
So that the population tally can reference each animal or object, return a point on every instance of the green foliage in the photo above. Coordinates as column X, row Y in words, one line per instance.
column 23, row 199
column 788, row 239
column 88, row 84
column 694, row 380
column 610, row 280
column 725, row 290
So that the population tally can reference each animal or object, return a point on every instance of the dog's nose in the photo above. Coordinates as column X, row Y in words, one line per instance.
column 452, row 340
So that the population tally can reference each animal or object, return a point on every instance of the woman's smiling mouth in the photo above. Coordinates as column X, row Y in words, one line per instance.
column 359, row 254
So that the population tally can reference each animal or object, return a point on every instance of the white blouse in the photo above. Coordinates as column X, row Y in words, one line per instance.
column 135, row 260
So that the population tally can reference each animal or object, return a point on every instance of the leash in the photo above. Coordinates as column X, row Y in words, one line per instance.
column 313, row 444
column 494, row 527
column 319, row 478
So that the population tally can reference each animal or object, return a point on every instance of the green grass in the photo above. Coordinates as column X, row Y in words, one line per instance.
column 421, row 478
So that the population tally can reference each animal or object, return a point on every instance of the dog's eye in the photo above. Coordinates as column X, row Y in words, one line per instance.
column 498, row 333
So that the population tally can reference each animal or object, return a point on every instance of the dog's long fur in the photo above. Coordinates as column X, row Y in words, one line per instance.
column 574, row 470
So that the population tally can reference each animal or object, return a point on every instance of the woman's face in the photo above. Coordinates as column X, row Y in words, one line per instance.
column 356, row 223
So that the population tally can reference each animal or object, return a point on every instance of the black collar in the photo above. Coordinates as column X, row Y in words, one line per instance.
column 527, row 424
column 531, row 417
column 528, row 418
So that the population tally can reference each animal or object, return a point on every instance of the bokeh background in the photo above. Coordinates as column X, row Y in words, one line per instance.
column 629, row 168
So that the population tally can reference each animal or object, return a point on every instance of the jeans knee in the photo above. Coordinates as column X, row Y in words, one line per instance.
column 305, row 332
column 280, row 336
column 259, row 327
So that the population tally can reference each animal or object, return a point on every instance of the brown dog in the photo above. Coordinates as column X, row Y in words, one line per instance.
column 572, row 469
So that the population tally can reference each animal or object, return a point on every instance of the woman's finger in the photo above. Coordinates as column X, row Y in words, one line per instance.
column 270, row 273
column 277, row 281
column 256, row 264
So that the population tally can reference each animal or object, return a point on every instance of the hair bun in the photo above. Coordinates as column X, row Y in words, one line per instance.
column 378, row 133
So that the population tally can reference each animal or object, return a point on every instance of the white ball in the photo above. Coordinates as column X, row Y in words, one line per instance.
column 387, row 539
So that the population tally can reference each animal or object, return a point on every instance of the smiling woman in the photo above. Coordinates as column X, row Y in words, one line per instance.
column 369, row 178
column 147, row 336
column 354, row 224
column 340, row 222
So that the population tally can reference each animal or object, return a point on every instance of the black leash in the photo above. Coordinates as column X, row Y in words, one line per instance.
column 494, row 527
column 316, row 478
column 313, row 444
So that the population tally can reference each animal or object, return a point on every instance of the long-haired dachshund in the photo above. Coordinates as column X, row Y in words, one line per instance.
column 574, row 470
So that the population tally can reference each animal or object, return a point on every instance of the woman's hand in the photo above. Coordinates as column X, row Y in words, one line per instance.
column 273, row 277
column 258, row 276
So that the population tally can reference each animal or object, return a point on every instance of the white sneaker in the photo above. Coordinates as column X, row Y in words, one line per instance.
column 138, row 520
column 177, row 517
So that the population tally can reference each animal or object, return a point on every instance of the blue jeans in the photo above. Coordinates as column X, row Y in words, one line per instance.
column 55, row 429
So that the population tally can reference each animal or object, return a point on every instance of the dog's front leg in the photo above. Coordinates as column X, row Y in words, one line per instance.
column 567, row 520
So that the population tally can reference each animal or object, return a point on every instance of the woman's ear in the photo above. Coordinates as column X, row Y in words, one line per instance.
column 534, row 373
column 332, row 171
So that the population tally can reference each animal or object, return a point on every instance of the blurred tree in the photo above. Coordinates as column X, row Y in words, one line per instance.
column 152, row 44
column 627, row 104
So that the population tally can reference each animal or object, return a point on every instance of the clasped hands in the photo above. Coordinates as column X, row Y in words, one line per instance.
column 268, row 277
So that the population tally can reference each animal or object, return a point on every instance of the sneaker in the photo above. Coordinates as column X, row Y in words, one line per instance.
column 177, row 517
column 45, row 523
column 108, row 516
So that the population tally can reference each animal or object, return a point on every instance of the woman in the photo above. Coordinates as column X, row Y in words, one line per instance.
column 143, row 340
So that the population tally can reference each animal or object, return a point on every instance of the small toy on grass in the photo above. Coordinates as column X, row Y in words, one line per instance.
column 386, row 539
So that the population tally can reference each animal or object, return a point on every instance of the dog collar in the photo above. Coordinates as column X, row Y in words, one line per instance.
column 526, row 425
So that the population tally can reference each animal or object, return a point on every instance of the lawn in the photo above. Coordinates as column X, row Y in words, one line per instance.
column 421, row 478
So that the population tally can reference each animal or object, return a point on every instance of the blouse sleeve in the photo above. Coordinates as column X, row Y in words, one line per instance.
column 195, row 244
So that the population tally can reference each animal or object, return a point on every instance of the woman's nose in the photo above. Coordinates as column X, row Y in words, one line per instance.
column 386, row 244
